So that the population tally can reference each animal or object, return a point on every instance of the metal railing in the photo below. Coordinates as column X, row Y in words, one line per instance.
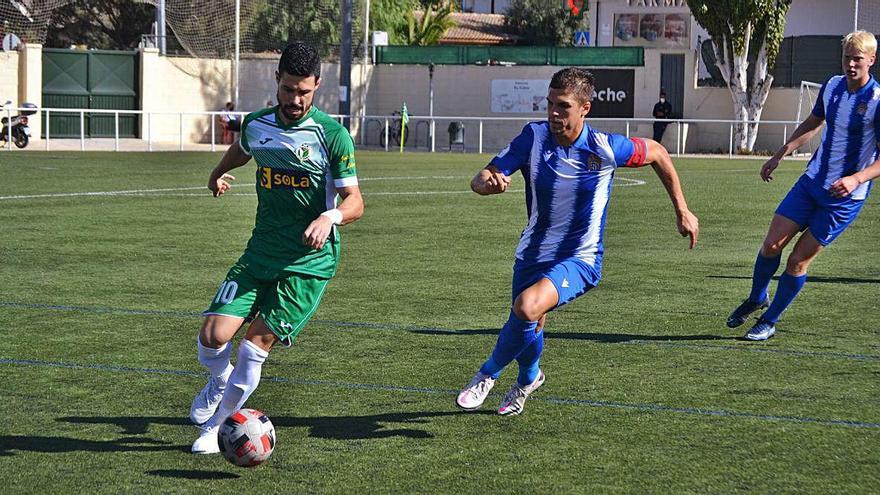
column 366, row 126
column 384, row 122
column 148, row 125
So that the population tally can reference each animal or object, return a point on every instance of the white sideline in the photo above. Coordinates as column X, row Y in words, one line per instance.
column 100, row 193
column 407, row 177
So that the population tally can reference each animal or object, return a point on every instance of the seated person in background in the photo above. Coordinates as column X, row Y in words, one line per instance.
column 229, row 123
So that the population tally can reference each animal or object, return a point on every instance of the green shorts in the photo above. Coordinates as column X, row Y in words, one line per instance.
column 286, row 301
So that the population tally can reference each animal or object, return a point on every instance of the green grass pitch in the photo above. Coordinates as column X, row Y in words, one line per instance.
column 647, row 391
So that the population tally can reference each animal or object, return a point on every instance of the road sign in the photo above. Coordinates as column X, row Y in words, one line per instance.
column 582, row 38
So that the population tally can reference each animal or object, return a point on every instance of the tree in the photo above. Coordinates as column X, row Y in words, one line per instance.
column 430, row 27
column 103, row 24
column 744, row 32
column 537, row 24
column 391, row 16
column 396, row 18
column 316, row 21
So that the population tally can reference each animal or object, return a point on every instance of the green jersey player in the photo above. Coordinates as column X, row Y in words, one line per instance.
column 305, row 159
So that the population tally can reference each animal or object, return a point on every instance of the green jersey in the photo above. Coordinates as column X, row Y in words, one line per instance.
column 299, row 168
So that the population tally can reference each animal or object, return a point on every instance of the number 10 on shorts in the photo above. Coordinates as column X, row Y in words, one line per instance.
column 226, row 292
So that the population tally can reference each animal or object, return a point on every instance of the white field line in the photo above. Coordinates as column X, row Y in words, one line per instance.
column 620, row 181
column 371, row 194
column 101, row 193
column 407, row 177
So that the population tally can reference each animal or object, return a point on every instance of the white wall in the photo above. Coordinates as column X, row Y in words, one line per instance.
column 178, row 84
column 9, row 77
column 821, row 17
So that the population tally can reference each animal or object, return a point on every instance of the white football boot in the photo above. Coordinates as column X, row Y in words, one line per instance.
column 475, row 393
column 515, row 399
column 204, row 405
column 208, row 441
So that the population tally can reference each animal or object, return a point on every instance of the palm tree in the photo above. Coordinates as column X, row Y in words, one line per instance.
column 430, row 28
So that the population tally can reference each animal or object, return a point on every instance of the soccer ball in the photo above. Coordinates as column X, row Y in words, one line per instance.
column 247, row 438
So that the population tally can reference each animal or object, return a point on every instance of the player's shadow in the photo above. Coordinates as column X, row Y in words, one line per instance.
column 331, row 427
column 605, row 338
column 57, row 445
column 365, row 427
column 130, row 425
column 811, row 279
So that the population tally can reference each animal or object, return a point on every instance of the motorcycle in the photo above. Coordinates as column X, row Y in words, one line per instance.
column 21, row 133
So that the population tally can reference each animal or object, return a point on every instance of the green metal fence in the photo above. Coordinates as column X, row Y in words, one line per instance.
column 630, row 56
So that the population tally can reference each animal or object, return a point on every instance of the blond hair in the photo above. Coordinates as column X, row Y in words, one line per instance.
column 862, row 41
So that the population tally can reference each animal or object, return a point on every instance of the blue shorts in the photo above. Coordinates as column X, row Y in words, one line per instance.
column 811, row 206
column 571, row 277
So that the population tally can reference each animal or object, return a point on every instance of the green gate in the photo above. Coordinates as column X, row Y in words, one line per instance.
column 93, row 79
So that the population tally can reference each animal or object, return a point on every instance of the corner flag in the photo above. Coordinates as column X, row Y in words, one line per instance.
column 404, row 118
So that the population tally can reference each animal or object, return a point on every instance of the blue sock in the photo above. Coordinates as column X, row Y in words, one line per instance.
column 765, row 268
column 529, row 359
column 786, row 291
column 515, row 336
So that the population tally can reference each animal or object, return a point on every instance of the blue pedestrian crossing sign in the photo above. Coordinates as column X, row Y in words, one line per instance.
column 582, row 38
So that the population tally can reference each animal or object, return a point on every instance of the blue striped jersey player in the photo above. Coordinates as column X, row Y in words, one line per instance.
column 830, row 194
column 568, row 169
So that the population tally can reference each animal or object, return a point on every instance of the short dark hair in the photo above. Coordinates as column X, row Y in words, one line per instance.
column 300, row 59
column 575, row 80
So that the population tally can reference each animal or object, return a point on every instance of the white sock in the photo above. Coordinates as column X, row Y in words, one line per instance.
column 216, row 360
column 242, row 382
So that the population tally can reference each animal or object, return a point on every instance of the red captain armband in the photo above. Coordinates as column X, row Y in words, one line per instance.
column 640, row 151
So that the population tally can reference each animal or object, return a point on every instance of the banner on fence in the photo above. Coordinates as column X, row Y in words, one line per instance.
column 613, row 96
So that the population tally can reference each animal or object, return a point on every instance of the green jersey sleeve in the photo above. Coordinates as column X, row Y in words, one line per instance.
column 342, row 161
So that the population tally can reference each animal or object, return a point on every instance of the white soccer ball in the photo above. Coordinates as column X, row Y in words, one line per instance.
column 247, row 438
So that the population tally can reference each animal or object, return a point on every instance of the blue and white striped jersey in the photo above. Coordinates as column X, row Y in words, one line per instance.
column 851, row 134
column 567, row 189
